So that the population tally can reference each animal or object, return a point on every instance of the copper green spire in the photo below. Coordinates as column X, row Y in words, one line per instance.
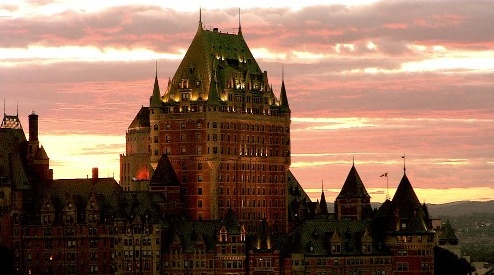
column 155, row 100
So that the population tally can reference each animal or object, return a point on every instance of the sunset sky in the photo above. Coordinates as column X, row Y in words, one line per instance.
column 369, row 80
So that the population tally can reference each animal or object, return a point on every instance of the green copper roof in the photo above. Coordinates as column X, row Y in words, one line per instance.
column 211, row 56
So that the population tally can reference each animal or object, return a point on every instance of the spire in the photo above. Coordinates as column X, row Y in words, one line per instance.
column 323, row 204
column 283, row 98
column 200, row 19
column 239, row 25
column 155, row 100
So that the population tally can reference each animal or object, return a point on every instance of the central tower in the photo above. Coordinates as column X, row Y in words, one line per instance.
column 224, row 131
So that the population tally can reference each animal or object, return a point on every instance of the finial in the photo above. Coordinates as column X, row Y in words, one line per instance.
column 4, row 112
column 200, row 18
column 404, row 163
column 322, row 185
column 156, row 69
column 282, row 72
column 353, row 160
column 17, row 106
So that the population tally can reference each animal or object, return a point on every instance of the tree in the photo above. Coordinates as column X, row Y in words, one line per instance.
column 446, row 262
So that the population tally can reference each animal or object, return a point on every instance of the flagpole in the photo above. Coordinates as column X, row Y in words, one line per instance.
column 387, row 186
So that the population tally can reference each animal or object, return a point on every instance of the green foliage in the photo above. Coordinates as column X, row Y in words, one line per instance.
column 446, row 262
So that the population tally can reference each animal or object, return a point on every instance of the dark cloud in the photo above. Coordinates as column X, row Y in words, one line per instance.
column 389, row 24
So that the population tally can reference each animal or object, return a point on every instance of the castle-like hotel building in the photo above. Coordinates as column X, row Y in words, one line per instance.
column 205, row 188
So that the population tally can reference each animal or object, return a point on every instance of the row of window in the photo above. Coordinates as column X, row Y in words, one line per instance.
column 245, row 179
column 242, row 166
column 251, row 203
column 231, row 125
column 145, row 242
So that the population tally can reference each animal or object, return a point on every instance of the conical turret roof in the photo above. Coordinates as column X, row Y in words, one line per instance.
column 155, row 100
column 284, row 99
column 353, row 186
column 405, row 196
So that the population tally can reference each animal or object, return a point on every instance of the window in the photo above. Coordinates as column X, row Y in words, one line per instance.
column 199, row 178
column 199, row 203
column 402, row 266
column 183, row 150
column 199, row 191
column 182, row 125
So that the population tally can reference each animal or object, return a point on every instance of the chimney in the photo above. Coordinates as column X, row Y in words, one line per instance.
column 33, row 127
column 95, row 175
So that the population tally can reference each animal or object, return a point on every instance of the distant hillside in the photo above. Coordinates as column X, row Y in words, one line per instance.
column 461, row 208
column 451, row 209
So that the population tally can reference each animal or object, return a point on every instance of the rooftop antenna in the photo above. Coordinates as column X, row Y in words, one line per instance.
column 4, row 110
column 17, row 108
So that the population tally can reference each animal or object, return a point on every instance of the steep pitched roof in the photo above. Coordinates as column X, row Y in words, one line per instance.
column 313, row 237
column 164, row 173
column 210, row 53
column 284, row 107
column 353, row 186
column 447, row 234
column 155, row 100
column 405, row 196
column 404, row 209
column 106, row 190
column 141, row 120
column 41, row 154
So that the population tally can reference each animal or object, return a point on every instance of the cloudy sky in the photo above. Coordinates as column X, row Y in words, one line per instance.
column 369, row 80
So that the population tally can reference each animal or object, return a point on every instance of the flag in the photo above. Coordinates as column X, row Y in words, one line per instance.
column 384, row 175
